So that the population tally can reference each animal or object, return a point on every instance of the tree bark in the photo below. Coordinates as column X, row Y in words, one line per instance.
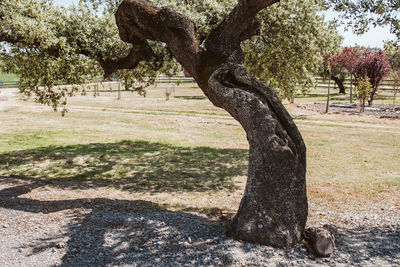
column 320, row 240
column 339, row 83
column 274, row 208
column 372, row 96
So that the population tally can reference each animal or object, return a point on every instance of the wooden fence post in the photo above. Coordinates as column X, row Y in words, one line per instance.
column 329, row 94
column 119, row 91
column 351, row 88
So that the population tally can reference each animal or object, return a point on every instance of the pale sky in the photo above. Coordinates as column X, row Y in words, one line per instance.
column 374, row 38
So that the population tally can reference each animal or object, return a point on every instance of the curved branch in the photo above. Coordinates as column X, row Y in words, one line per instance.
column 233, row 75
column 141, row 50
column 241, row 24
column 139, row 20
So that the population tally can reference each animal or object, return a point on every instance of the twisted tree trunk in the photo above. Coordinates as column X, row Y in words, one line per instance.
column 273, row 210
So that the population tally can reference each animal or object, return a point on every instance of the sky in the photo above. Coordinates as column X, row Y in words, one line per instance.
column 375, row 37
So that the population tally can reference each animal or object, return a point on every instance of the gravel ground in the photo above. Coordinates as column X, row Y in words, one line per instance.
column 40, row 230
column 378, row 110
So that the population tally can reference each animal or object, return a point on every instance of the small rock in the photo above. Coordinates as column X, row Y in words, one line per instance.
column 60, row 245
column 53, row 250
column 5, row 225
column 19, row 250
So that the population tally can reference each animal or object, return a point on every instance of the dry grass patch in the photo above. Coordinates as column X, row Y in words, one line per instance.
column 186, row 154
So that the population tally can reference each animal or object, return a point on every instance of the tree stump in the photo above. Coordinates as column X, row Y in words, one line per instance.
column 319, row 241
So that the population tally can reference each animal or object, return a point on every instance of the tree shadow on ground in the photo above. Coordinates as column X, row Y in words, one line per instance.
column 133, row 165
column 184, row 97
column 360, row 245
column 119, row 232
column 110, row 232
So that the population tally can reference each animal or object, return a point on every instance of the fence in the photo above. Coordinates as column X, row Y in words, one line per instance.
column 11, row 84
column 322, row 83
column 160, row 79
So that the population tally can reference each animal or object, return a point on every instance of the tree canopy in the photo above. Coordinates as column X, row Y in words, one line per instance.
column 361, row 14
column 290, row 49
column 73, row 45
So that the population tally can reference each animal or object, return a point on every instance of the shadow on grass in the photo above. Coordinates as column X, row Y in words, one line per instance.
column 132, row 165
column 333, row 97
column 184, row 97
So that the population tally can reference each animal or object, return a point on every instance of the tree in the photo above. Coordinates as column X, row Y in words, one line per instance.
column 334, row 70
column 360, row 14
column 363, row 90
column 274, row 207
column 394, row 58
column 294, row 38
column 340, row 65
column 375, row 65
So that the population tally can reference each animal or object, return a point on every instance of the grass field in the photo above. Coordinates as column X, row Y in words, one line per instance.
column 8, row 77
column 189, row 155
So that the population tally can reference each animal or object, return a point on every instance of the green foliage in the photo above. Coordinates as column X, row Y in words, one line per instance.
column 363, row 90
column 361, row 14
column 291, row 47
column 52, row 45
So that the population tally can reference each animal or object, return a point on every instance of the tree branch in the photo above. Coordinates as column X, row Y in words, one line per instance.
column 139, row 20
column 140, row 51
column 241, row 24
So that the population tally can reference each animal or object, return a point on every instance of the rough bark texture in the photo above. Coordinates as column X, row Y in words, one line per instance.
column 273, row 210
column 320, row 241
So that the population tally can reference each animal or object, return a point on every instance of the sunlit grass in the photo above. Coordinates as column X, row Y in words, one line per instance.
column 187, row 153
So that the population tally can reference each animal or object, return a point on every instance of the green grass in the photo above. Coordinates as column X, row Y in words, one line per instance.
column 8, row 77
column 186, row 146
column 134, row 165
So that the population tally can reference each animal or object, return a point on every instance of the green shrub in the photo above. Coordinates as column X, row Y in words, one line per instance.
column 363, row 90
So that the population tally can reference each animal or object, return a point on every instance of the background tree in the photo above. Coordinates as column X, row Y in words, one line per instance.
column 394, row 58
column 363, row 90
column 375, row 65
column 340, row 65
column 332, row 68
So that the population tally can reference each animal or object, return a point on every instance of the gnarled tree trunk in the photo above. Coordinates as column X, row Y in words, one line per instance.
column 273, row 210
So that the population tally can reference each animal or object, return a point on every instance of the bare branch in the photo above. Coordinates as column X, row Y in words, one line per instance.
column 137, row 19
column 241, row 24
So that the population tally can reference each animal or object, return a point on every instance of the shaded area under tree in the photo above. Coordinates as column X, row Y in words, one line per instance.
column 133, row 165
